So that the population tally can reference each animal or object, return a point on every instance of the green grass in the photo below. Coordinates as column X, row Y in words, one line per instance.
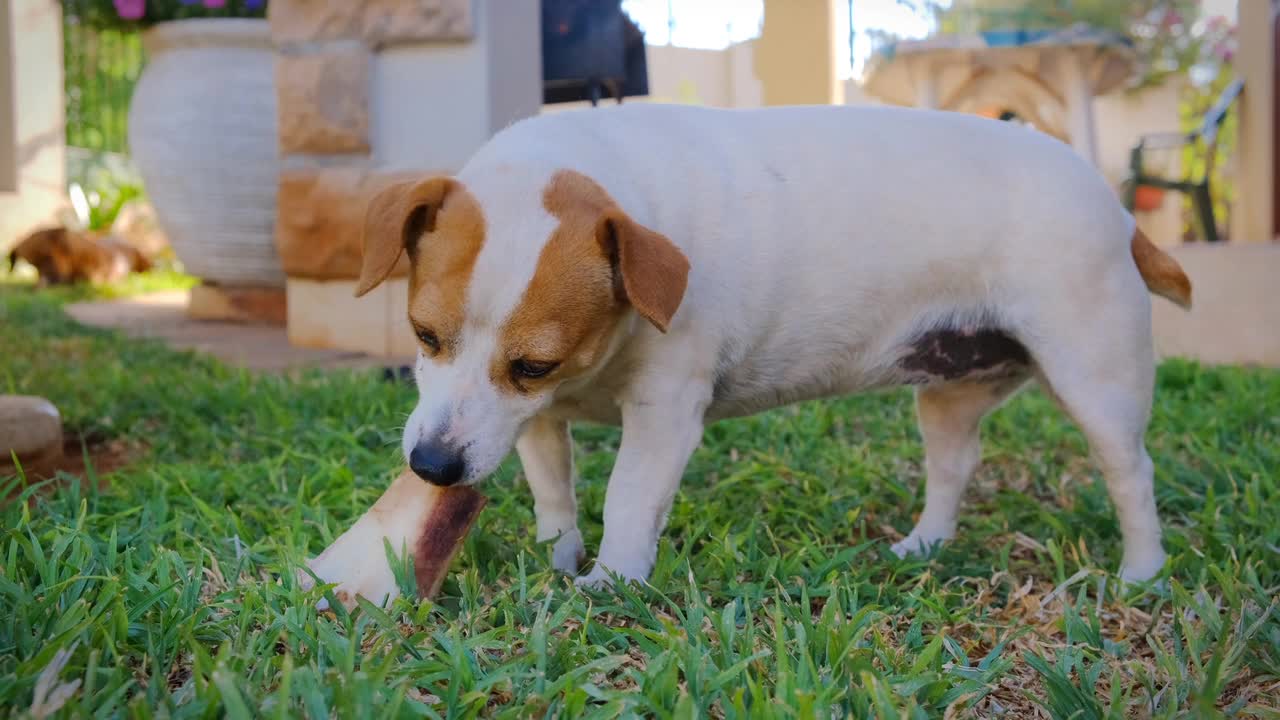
column 158, row 279
column 774, row 593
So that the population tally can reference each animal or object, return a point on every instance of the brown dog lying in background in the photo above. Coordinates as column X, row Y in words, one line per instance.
column 63, row 256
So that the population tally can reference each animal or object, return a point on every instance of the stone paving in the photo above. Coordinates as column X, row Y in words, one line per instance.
column 263, row 347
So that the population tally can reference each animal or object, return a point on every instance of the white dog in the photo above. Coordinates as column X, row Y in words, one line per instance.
column 663, row 267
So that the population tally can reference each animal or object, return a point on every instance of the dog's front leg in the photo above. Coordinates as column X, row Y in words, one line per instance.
column 658, row 436
column 546, row 454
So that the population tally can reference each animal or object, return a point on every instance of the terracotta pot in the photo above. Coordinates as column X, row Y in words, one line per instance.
column 1147, row 199
column 202, row 133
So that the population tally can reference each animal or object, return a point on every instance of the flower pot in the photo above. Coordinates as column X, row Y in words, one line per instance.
column 202, row 133
column 1147, row 199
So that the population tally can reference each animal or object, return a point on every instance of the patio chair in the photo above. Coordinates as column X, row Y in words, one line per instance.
column 1197, row 188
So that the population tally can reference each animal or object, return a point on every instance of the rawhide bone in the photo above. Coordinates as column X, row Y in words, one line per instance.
column 429, row 522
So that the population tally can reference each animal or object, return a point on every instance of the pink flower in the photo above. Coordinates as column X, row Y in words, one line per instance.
column 131, row 9
column 215, row 3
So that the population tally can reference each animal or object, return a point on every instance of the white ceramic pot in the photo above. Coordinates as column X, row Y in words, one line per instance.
column 202, row 133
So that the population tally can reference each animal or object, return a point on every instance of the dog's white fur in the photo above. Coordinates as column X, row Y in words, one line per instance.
column 821, row 241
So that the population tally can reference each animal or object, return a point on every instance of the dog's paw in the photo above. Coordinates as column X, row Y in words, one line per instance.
column 916, row 545
column 597, row 579
column 601, row 579
column 1138, row 570
column 568, row 552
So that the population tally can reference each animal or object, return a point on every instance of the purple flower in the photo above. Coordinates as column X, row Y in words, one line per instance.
column 131, row 9
column 189, row 2
column 254, row 4
column 215, row 3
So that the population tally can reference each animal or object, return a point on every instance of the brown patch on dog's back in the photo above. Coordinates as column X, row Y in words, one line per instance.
column 571, row 303
column 952, row 354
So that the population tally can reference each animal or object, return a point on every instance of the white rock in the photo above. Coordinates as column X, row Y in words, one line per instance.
column 30, row 427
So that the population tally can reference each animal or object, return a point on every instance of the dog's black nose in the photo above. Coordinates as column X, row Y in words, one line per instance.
column 437, row 463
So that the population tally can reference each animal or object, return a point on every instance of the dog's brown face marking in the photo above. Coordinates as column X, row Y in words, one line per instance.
column 571, row 305
column 955, row 353
column 443, row 257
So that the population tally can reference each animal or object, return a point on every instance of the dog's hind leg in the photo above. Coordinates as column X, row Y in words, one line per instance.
column 546, row 453
column 1102, row 372
column 949, row 416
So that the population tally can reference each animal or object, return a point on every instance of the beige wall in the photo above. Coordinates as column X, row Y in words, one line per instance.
column 747, row 88
column 465, row 92
column 8, row 138
column 1235, row 318
column 34, row 150
column 795, row 56
column 436, row 91
column 688, row 75
column 715, row 78
column 1251, row 221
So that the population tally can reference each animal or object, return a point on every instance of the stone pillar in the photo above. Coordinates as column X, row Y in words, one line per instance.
column 371, row 93
column 796, row 56
column 8, row 134
column 1255, row 62
column 33, row 182
column 1078, row 92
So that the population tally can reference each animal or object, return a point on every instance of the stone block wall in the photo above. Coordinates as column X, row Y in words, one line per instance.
column 33, row 184
column 326, row 50
column 375, row 92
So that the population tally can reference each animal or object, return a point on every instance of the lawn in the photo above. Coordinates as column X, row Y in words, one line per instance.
column 155, row 591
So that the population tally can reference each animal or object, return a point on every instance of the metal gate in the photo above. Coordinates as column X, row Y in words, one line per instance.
column 101, row 66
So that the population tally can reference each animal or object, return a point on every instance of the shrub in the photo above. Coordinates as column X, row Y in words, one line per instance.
column 122, row 14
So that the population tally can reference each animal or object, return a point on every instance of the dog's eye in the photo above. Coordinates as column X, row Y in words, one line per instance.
column 429, row 339
column 532, row 368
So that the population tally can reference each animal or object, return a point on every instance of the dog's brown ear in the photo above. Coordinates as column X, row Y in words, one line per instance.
column 395, row 221
column 653, row 270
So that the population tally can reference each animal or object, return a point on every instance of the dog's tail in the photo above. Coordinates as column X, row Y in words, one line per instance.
column 1162, row 274
column 13, row 260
